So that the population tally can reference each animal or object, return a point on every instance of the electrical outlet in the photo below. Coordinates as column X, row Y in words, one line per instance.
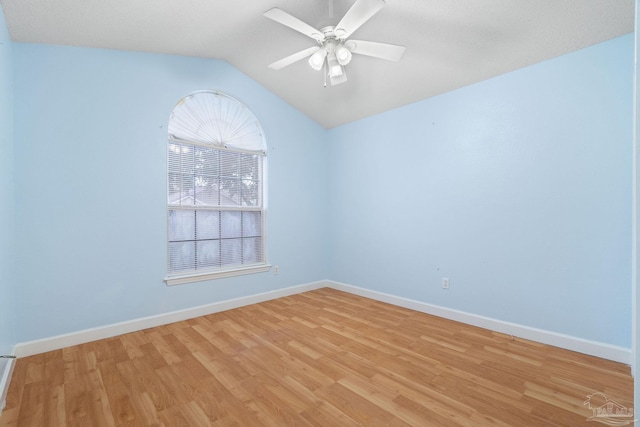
column 276, row 270
column 445, row 283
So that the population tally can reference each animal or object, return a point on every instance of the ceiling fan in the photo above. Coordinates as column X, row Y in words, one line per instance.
column 334, row 48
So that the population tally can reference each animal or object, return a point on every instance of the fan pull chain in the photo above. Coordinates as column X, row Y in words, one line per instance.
column 325, row 72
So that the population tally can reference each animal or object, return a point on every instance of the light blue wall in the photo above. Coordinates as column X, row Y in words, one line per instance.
column 518, row 189
column 90, row 165
column 7, row 281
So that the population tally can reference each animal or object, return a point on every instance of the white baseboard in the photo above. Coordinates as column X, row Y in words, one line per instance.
column 593, row 348
column 57, row 342
column 5, row 380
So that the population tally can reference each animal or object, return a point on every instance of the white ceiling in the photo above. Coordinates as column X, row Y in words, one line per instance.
column 450, row 43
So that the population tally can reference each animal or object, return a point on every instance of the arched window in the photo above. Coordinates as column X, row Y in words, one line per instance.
column 215, row 189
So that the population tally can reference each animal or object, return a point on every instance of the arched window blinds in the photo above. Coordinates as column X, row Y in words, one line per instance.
column 215, row 189
column 217, row 120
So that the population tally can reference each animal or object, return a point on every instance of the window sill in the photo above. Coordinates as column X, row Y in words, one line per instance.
column 212, row 275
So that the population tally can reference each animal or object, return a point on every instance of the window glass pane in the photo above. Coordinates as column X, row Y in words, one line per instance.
column 251, row 224
column 250, row 166
column 182, row 256
column 230, row 191
column 250, row 177
column 231, row 224
column 208, row 254
column 186, row 194
column 186, row 159
column 206, row 191
column 206, row 161
column 174, row 184
column 230, row 164
column 173, row 157
column 208, row 224
column 231, row 251
column 250, row 193
column 251, row 250
column 182, row 225
column 230, row 178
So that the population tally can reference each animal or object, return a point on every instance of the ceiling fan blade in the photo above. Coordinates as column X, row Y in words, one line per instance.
column 357, row 15
column 294, row 58
column 390, row 52
column 292, row 22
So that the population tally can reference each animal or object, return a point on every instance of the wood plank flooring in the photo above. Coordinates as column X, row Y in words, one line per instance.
column 321, row 358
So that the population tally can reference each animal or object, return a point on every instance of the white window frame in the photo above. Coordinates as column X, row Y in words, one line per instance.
column 204, row 274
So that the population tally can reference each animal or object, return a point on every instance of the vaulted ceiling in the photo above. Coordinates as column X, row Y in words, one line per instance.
column 449, row 43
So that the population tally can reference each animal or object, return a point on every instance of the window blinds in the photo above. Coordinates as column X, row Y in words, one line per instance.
column 215, row 208
column 218, row 120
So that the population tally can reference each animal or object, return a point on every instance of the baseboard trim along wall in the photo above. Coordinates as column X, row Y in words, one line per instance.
column 606, row 351
column 6, row 370
column 30, row 348
column 593, row 348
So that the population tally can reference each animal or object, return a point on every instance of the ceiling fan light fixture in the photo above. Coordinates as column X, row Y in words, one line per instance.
column 336, row 80
column 334, row 49
column 317, row 59
column 343, row 54
column 335, row 69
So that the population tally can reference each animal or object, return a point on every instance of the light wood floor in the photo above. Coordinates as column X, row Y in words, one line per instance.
column 321, row 358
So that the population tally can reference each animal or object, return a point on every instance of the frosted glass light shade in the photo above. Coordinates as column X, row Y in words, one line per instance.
column 343, row 55
column 317, row 59
column 335, row 69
